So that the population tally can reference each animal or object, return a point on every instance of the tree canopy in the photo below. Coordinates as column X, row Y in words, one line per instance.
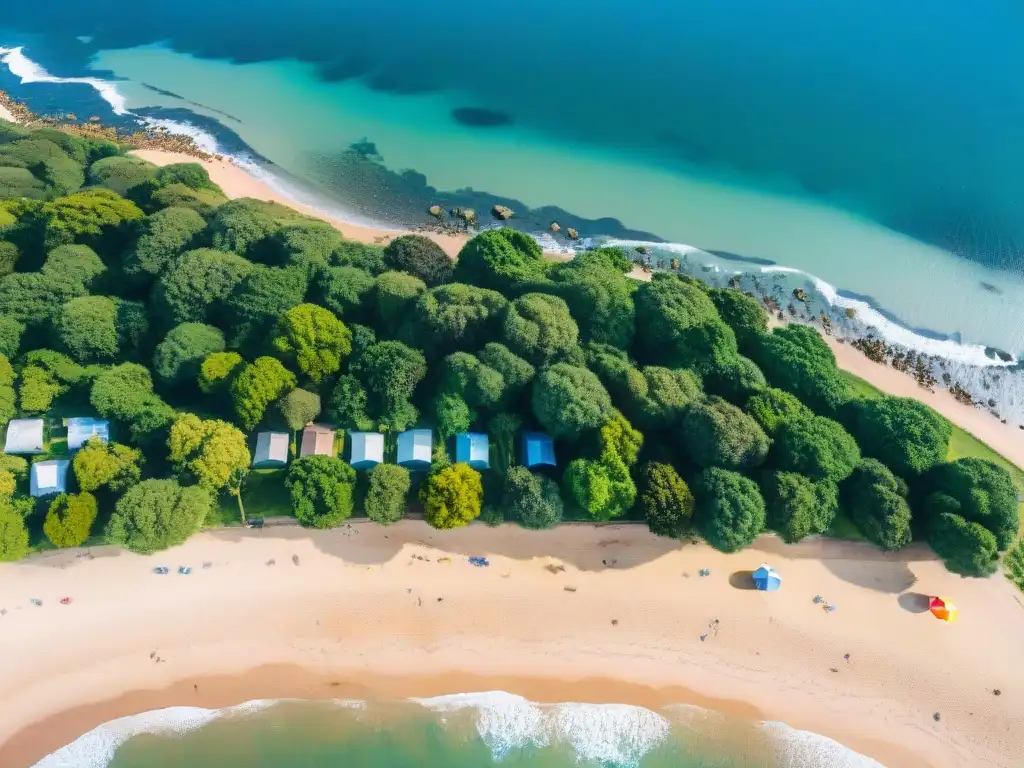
column 876, row 501
column 157, row 514
column 321, row 489
column 419, row 256
column 817, row 447
column 313, row 338
column 715, row 433
column 386, row 493
column 532, row 499
column 98, row 464
column 569, row 400
column 452, row 496
column 729, row 509
column 665, row 500
column 540, row 329
column 212, row 452
column 69, row 519
column 256, row 386
column 499, row 259
column 904, row 434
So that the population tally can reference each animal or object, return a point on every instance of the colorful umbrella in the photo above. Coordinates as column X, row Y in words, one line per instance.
column 942, row 608
column 766, row 578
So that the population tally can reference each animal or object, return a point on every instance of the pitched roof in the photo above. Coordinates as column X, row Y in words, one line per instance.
column 82, row 429
column 49, row 477
column 271, row 448
column 367, row 449
column 538, row 449
column 414, row 447
column 24, row 436
column 472, row 448
column 317, row 440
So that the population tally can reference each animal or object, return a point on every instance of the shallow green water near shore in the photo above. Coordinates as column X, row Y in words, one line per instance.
column 460, row 731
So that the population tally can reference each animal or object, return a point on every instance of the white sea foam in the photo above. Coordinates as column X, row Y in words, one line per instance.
column 96, row 748
column 971, row 354
column 613, row 734
column 804, row 749
column 30, row 72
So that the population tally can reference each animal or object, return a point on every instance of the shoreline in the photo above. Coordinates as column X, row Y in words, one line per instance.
column 1005, row 439
column 362, row 610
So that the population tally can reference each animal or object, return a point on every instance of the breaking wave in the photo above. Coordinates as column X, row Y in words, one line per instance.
column 30, row 72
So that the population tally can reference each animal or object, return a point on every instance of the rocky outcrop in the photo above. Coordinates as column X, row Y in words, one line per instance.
column 642, row 249
column 554, row 226
column 502, row 212
column 467, row 215
column 799, row 294
column 436, row 211
column 572, row 233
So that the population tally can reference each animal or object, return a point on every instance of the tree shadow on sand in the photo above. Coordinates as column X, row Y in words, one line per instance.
column 596, row 548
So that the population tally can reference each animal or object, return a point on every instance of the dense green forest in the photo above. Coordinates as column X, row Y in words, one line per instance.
column 143, row 296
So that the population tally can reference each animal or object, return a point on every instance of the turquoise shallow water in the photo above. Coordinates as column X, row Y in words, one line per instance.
column 461, row 731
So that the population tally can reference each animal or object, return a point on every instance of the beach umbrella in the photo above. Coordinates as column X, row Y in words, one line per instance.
column 767, row 578
column 942, row 608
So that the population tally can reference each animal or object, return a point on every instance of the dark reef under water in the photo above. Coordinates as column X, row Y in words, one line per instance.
column 478, row 117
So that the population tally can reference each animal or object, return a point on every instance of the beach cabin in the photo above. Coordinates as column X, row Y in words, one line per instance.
column 538, row 450
column 24, row 436
column 317, row 440
column 82, row 429
column 271, row 450
column 472, row 448
column 49, row 477
column 367, row 449
column 415, row 447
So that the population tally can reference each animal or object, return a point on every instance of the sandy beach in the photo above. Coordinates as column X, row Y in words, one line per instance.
column 1006, row 439
column 397, row 612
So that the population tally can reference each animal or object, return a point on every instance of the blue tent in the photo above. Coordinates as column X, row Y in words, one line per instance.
column 415, row 447
column 538, row 450
column 767, row 578
column 472, row 448
column 82, row 429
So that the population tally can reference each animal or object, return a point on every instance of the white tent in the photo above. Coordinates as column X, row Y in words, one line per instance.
column 367, row 449
column 49, row 477
column 414, row 448
column 24, row 436
column 271, row 449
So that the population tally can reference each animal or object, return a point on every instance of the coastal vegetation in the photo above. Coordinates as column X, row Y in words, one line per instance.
column 141, row 295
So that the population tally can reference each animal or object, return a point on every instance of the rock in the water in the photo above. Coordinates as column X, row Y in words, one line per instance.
column 572, row 233
column 436, row 211
column 554, row 226
column 799, row 294
column 642, row 249
column 501, row 212
column 468, row 215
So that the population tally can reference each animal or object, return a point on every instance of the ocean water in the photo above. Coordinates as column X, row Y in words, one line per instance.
column 856, row 148
column 457, row 731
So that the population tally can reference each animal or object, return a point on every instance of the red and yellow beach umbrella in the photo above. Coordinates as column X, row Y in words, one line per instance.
column 942, row 608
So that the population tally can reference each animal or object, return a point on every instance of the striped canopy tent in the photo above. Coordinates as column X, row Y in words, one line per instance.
column 415, row 447
column 766, row 578
column 538, row 450
column 942, row 608
column 367, row 449
column 82, row 429
column 472, row 448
